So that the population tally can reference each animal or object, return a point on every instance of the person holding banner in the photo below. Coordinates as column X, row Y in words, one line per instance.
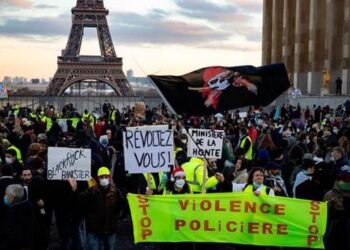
column 254, row 184
column 177, row 184
column 102, row 204
column 194, row 175
column 274, row 180
column 152, row 183
column 338, row 226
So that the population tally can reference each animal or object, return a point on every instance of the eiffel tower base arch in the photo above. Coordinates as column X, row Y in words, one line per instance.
column 73, row 67
column 69, row 73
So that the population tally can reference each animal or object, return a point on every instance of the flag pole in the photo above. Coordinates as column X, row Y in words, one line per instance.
column 161, row 95
column 148, row 180
column 204, row 180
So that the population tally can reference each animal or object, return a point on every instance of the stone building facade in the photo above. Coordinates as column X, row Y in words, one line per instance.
column 308, row 35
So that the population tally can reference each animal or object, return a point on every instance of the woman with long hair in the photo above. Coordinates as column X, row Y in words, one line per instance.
column 267, row 143
column 255, row 183
column 344, row 143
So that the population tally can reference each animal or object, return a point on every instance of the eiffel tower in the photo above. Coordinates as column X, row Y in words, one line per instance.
column 74, row 68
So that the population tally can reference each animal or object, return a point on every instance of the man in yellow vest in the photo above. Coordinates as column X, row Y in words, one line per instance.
column 153, row 183
column 32, row 115
column 88, row 117
column 194, row 175
column 16, row 109
column 42, row 117
column 245, row 144
column 18, row 153
column 113, row 115
column 11, row 158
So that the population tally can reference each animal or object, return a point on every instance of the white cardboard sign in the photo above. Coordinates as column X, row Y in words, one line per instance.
column 148, row 149
column 206, row 143
column 64, row 163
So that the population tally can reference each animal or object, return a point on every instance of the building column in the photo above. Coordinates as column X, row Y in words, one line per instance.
column 289, row 36
column 317, row 51
column 301, row 49
column 267, row 32
column 277, row 31
column 346, row 49
column 335, row 35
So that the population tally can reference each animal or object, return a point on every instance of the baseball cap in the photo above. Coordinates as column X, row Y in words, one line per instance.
column 103, row 171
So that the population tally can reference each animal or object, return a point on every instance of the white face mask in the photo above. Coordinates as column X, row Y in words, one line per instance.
column 104, row 182
column 257, row 185
column 8, row 160
column 184, row 141
column 180, row 183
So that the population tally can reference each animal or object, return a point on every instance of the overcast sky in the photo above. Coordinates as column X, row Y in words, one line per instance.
column 153, row 36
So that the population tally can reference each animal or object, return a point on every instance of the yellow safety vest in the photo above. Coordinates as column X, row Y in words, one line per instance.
column 194, row 175
column 32, row 115
column 88, row 117
column 169, row 192
column 249, row 153
column 18, row 153
column 249, row 189
column 112, row 116
column 16, row 109
column 92, row 183
column 48, row 123
column 178, row 149
column 153, row 181
column 42, row 118
column 74, row 122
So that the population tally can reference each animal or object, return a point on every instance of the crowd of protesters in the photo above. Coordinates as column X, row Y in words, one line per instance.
column 299, row 152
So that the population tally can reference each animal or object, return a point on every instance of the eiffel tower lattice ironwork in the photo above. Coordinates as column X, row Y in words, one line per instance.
column 74, row 68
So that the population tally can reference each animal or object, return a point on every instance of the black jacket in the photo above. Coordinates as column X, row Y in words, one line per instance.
column 17, row 228
column 102, row 209
column 5, row 181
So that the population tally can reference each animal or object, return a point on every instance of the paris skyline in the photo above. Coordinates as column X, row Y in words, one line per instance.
column 153, row 37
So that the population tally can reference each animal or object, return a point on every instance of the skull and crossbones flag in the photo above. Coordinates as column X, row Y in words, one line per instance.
column 216, row 89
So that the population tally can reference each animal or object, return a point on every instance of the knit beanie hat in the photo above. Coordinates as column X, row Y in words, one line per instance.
column 263, row 154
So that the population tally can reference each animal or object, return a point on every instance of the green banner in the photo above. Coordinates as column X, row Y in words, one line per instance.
column 228, row 218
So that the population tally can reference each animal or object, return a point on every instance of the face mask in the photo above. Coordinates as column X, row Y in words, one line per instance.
column 184, row 141
column 8, row 160
column 180, row 183
column 104, row 182
column 6, row 201
column 256, row 185
column 345, row 186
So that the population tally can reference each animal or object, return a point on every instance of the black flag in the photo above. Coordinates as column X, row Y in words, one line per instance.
column 215, row 89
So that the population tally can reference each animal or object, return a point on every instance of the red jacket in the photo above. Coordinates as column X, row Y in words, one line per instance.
column 253, row 134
